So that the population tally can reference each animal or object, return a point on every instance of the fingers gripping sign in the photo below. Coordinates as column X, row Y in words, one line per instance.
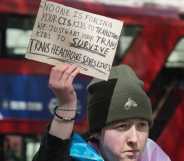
column 61, row 83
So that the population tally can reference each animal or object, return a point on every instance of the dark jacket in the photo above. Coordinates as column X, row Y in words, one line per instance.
column 53, row 149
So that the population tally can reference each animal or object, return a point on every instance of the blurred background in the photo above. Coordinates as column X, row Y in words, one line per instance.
column 151, row 42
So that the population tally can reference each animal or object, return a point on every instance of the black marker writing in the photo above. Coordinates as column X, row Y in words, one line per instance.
column 107, row 33
column 39, row 46
column 71, row 23
column 106, row 42
column 42, row 34
column 65, row 53
column 48, row 17
column 91, row 62
column 56, row 9
column 87, row 45
column 98, row 21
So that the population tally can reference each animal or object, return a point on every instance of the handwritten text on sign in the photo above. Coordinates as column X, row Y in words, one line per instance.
column 63, row 34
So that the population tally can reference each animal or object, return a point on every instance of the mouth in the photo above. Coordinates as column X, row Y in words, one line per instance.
column 132, row 154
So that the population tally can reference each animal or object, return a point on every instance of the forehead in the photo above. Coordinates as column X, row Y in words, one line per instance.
column 136, row 120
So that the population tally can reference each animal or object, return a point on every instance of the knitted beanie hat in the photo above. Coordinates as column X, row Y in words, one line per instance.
column 121, row 97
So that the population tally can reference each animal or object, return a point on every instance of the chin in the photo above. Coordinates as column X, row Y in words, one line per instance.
column 129, row 158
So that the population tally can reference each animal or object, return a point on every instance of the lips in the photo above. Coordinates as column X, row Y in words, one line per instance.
column 132, row 153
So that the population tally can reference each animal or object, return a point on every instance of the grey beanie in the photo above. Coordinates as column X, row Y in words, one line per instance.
column 121, row 97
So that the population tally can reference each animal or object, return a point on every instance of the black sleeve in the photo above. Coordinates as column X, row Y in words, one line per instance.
column 53, row 149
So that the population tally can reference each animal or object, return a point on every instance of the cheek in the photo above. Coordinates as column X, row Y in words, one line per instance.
column 142, row 140
column 113, row 142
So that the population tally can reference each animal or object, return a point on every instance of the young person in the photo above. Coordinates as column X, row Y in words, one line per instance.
column 119, row 116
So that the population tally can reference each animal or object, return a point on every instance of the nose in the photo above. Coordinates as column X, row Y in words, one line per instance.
column 133, row 136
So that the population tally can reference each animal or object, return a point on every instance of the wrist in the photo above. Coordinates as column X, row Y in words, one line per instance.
column 66, row 108
column 65, row 113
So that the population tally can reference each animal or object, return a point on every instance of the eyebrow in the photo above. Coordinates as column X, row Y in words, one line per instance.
column 116, row 124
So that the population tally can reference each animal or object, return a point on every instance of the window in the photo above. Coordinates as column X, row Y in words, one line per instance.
column 17, row 41
column 32, row 146
column 128, row 35
column 20, row 148
column 18, row 32
column 176, row 59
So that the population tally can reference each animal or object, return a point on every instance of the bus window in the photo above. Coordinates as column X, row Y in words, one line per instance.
column 128, row 35
column 176, row 59
column 18, row 148
column 32, row 146
column 18, row 32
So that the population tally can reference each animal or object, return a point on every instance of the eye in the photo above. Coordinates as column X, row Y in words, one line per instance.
column 123, row 127
column 143, row 125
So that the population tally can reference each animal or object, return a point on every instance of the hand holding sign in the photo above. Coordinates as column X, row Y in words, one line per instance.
column 60, row 82
column 63, row 34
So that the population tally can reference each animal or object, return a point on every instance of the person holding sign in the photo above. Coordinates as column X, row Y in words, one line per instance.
column 119, row 115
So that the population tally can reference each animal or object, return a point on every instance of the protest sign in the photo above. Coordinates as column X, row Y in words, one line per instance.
column 63, row 34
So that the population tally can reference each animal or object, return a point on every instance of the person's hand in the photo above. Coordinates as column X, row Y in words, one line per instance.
column 61, row 83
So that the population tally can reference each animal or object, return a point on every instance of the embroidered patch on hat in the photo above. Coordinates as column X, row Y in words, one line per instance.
column 129, row 104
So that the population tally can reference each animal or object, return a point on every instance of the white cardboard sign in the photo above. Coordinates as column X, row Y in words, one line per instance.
column 63, row 34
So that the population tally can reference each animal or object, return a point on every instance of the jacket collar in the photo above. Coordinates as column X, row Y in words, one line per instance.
column 80, row 150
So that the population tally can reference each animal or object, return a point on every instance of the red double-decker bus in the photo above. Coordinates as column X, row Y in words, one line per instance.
column 151, row 43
